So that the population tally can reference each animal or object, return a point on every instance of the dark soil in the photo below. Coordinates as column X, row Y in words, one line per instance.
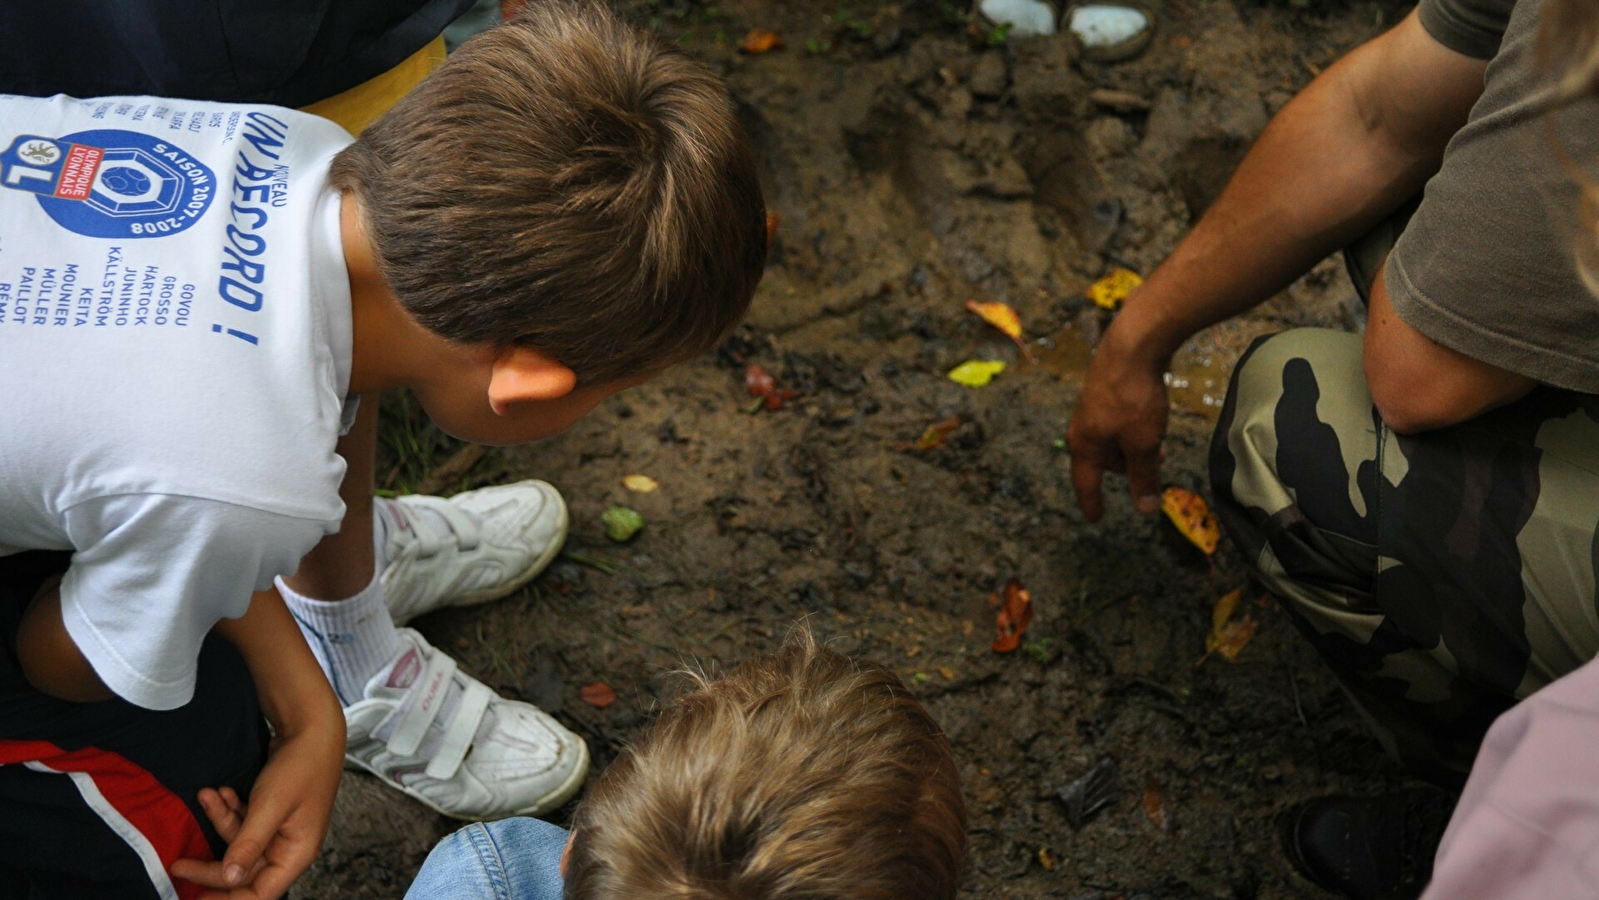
column 914, row 167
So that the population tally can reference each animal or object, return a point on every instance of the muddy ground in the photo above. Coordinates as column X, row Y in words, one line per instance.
column 915, row 166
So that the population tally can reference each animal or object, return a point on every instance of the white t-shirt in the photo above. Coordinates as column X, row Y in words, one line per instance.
column 175, row 343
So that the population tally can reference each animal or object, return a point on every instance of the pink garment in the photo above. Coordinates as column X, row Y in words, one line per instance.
column 1528, row 823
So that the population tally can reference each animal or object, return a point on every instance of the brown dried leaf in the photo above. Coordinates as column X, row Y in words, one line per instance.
column 934, row 436
column 1155, row 805
column 598, row 695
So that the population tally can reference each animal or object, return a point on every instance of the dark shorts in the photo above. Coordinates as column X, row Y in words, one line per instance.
column 99, row 799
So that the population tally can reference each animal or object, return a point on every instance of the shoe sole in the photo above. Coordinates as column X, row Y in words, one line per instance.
column 552, row 800
column 505, row 589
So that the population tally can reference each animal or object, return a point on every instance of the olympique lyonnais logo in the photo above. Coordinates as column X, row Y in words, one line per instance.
column 110, row 183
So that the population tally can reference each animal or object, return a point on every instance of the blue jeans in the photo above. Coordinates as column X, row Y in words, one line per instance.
column 512, row 859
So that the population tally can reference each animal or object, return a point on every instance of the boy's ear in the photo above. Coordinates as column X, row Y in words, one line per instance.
column 521, row 374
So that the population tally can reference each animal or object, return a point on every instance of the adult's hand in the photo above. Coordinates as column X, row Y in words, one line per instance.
column 1358, row 141
column 1118, row 426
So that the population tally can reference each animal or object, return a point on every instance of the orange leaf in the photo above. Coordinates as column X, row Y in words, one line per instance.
column 1188, row 511
column 1155, row 805
column 759, row 40
column 1013, row 620
column 772, row 221
column 598, row 695
column 1001, row 316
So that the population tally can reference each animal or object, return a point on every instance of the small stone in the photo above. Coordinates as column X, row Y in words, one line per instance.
column 988, row 77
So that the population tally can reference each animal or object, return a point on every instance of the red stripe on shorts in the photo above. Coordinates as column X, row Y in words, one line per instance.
column 164, row 819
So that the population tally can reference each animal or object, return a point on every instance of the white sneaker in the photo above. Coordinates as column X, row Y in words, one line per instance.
column 446, row 739
column 482, row 545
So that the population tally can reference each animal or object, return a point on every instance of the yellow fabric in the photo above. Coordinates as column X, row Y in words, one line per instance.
column 361, row 105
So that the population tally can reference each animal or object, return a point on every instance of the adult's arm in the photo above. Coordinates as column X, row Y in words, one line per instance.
column 1418, row 384
column 1356, row 142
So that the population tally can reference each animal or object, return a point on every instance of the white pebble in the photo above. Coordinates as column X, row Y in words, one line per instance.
column 1025, row 17
column 1106, row 25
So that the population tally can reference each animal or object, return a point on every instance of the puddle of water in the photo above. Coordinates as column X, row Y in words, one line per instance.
column 1197, row 382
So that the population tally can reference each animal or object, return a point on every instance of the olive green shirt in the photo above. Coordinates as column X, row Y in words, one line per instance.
column 1488, row 265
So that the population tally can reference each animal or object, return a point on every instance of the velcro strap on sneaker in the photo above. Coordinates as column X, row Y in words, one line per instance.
column 463, row 726
column 427, row 699
column 462, row 524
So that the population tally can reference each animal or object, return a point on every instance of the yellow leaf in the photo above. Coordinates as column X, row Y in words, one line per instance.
column 1187, row 510
column 1110, row 291
column 999, row 315
column 1225, row 607
column 976, row 372
column 640, row 484
column 1004, row 318
column 1227, row 636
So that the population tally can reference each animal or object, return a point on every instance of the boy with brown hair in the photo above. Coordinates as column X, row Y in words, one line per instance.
column 800, row 774
column 194, row 299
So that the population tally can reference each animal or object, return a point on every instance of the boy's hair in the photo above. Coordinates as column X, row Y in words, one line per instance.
column 801, row 774
column 568, row 183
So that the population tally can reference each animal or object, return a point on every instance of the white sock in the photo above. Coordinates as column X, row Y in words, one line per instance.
column 353, row 638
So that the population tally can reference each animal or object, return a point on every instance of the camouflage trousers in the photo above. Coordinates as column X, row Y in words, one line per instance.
column 1443, row 575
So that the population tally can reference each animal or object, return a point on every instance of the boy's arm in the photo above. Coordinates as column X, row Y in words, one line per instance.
column 50, row 660
column 293, row 796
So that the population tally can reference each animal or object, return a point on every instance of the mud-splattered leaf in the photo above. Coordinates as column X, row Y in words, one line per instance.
column 621, row 523
column 760, row 40
column 1156, row 806
column 1001, row 316
column 760, row 383
column 1091, row 792
column 933, row 437
column 976, row 372
column 640, row 484
column 598, row 695
column 1228, row 635
column 1110, row 291
column 1189, row 512
column 1013, row 618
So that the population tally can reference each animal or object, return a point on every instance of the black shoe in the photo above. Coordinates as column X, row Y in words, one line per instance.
column 1369, row 848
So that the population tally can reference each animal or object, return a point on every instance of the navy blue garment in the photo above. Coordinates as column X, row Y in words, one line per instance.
column 284, row 52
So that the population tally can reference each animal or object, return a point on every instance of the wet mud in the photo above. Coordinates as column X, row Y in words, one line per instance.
column 915, row 165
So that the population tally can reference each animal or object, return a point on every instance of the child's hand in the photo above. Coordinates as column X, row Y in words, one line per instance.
column 274, row 839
